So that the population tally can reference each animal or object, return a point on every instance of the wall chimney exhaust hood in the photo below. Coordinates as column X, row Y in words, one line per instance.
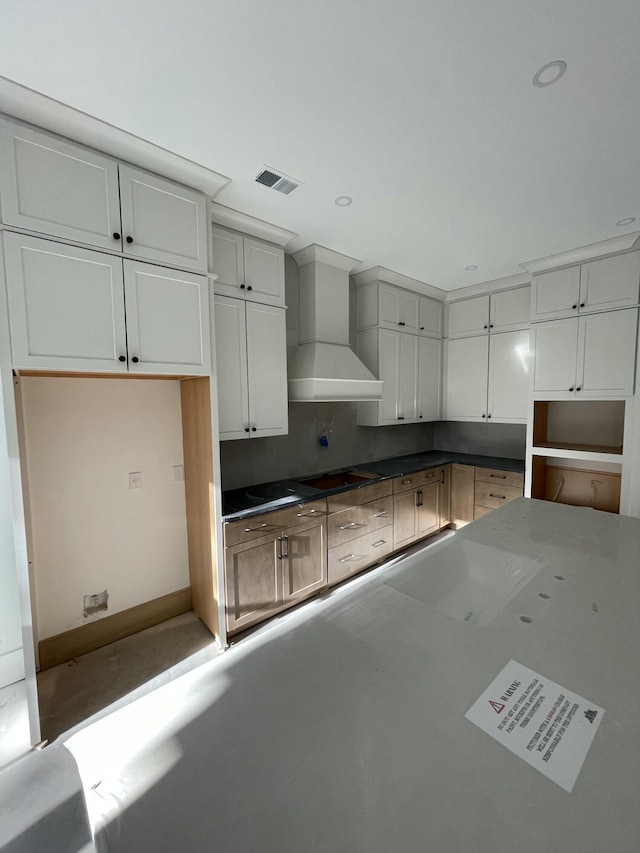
column 324, row 368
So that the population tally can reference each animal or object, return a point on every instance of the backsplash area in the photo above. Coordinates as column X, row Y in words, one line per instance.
column 261, row 460
column 507, row 440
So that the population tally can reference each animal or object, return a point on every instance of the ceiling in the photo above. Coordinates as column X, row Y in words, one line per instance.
column 423, row 111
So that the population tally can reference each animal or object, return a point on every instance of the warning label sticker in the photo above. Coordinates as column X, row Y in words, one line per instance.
column 549, row 727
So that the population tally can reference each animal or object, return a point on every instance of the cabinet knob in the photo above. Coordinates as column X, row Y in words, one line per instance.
column 579, row 388
column 135, row 359
column 488, row 416
column 571, row 389
column 484, row 416
column 422, row 328
column 116, row 236
column 419, row 416
column 246, row 429
column 400, row 323
column 574, row 306
column 400, row 417
column 582, row 304
column 249, row 287
column 485, row 326
column 254, row 429
column 491, row 325
column 122, row 358
column 129, row 238
column 242, row 286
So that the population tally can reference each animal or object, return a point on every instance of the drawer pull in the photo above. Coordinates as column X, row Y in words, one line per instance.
column 351, row 557
column 500, row 497
column 429, row 476
column 406, row 482
column 305, row 514
column 259, row 527
column 498, row 476
column 351, row 526
column 380, row 514
column 379, row 543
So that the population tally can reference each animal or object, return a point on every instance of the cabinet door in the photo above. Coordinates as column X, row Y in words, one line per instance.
column 610, row 283
column 606, row 354
column 227, row 262
column 466, row 367
column 428, row 511
column 231, row 368
column 429, row 379
column 263, row 272
column 253, row 581
column 409, row 311
column 405, row 518
column 66, row 306
column 167, row 320
column 510, row 309
column 462, row 493
column 555, row 294
column 467, row 317
column 430, row 317
column 267, row 370
column 163, row 221
column 509, row 371
column 408, row 402
column 52, row 186
column 305, row 564
column 555, row 347
column 444, row 497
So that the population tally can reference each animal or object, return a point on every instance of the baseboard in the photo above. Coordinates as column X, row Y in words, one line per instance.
column 94, row 635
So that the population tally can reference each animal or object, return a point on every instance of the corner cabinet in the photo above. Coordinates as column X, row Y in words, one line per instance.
column 251, row 366
column 487, row 378
column 585, row 357
column 247, row 268
column 55, row 187
column 67, row 310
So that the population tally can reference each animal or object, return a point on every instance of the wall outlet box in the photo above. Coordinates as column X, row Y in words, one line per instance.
column 135, row 480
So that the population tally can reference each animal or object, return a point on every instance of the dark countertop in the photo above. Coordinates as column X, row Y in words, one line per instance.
column 264, row 497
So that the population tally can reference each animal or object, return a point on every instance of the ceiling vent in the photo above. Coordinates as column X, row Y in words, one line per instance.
column 276, row 181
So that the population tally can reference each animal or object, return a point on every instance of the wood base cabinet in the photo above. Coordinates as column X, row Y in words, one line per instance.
column 416, row 506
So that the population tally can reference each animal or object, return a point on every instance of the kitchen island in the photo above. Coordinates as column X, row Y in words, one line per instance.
column 344, row 729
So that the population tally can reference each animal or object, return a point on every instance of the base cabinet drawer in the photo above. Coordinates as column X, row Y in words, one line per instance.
column 350, row 558
column 502, row 478
column 493, row 495
column 359, row 520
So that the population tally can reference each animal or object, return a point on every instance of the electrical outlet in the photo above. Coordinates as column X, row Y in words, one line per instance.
column 96, row 602
column 178, row 473
column 135, row 480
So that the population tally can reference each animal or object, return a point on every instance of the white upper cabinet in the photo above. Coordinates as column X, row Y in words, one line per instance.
column 509, row 371
column 585, row 357
column 399, row 308
column 247, row 268
column 251, row 366
column 429, row 379
column 167, row 320
column 510, row 309
column 162, row 221
column 467, row 317
column 487, row 378
column 66, row 306
column 465, row 378
column 600, row 285
column 67, row 312
column 430, row 317
column 57, row 188
column 393, row 357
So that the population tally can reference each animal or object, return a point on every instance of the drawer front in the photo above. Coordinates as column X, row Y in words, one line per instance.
column 362, row 495
column 493, row 495
column 502, row 478
column 352, row 557
column 418, row 479
column 271, row 522
column 359, row 520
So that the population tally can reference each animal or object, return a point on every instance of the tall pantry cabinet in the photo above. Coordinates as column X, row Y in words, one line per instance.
column 104, row 266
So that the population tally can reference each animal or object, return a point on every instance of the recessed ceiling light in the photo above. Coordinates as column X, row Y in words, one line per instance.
column 628, row 220
column 472, row 267
column 550, row 73
column 343, row 200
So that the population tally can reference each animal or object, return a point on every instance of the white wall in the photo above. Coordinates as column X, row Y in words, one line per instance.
column 90, row 532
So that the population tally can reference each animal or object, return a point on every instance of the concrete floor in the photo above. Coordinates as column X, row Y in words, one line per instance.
column 81, row 688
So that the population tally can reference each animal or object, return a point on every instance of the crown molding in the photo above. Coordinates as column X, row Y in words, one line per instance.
column 508, row 282
column 230, row 218
column 27, row 105
column 399, row 280
column 612, row 246
column 322, row 255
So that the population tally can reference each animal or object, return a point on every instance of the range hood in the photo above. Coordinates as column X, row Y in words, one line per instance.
column 325, row 368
